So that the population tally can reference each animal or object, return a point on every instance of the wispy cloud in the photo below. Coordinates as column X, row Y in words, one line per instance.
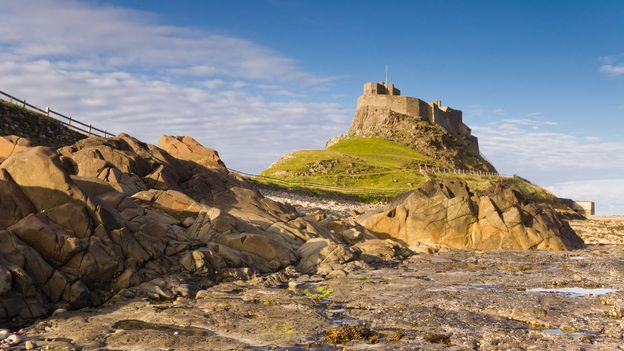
column 125, row 70
column 604, row 191
column 515, row 145
column 612, row 65
column 573, row 166
column 103, row 37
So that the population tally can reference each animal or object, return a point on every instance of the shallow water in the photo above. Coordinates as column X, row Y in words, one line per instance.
column 575, row 291
column 133, row 324
column 560, row 332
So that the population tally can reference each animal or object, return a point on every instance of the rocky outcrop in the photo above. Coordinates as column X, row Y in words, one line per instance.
column 79, row 224
column 11, row 144
column 186, row 148
column 419, row 134
column 448, row 214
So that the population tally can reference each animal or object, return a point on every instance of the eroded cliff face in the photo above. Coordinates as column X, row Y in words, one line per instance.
column 82, row 223
column 419, row 134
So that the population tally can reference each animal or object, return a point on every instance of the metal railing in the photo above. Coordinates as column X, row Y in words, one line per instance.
column 67, row 121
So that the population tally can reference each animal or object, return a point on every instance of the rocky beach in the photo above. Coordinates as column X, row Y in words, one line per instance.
column 448, row 300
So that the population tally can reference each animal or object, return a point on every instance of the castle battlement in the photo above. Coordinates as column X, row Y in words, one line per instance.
column 381, row 88
column 380, row 98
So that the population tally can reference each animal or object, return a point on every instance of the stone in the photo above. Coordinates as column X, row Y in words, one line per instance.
column 319, row 252
column 187, row 148
column 175, row 203
column 59, row 311
column 448, row 214
column 4, row 333
column 11, row 144
column 100, row 216
column 13, row 340
column 50, row 186
column 379, row 250
column 29, row 345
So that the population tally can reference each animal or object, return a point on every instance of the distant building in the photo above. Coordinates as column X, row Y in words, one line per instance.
column 585, row 208
column 381, row 98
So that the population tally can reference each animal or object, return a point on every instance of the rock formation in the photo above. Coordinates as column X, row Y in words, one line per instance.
column 448, row 214
column 79, row 224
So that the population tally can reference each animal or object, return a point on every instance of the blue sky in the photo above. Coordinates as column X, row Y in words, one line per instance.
column 540, row 82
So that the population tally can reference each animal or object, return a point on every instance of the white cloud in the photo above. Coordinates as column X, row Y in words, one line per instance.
column 607, row 193
column 124, row 71
column 102, row 37
column 611, row 65
column 574, row 166
column 249, row 131
column 614, row 70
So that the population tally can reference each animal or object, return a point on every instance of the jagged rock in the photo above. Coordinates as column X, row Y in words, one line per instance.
column 187, row 148
column 379, row 250
column 13, row 202
column 39, row 174
column 448, row 214
column 11, row 144
column 323, row 255
column 175, row 203
column 102, row 215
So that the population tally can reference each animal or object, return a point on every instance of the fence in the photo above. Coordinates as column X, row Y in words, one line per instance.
column 67, row 121
column 426, row 170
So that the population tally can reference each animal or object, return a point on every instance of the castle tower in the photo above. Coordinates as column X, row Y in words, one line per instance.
column 382, row 98
column 381, row 88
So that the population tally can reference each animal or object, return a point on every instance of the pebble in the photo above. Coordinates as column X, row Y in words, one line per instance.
column 293, row 285
column 29, row 345
column 13, row 340
column 4, row 334
column 59, row 311
column 306, row 204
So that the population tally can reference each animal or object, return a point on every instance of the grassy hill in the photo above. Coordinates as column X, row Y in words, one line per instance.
column 373, row 169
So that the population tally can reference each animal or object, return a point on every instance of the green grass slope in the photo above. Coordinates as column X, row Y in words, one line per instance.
column 370, row 169
column 382, row 166
column 374, row 169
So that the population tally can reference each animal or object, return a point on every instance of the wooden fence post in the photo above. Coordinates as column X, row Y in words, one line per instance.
column 48, row 111
column 90, row 129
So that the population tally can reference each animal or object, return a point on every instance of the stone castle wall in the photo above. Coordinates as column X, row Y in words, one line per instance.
column 379, row 99
column 39, row 129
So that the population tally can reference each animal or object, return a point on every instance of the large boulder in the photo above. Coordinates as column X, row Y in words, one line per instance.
column 324, row 255
column 448, row 214
column 187, row 148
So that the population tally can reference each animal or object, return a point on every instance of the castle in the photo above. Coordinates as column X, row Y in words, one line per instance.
column 379, row 99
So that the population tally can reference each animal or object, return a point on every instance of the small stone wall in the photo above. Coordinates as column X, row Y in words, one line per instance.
column 39, row 129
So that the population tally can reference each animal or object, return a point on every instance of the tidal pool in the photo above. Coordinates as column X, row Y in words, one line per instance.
column 575, row 291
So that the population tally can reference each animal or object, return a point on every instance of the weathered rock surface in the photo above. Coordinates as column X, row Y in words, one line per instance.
column 449, row 214
column 80, row 224
column 11, row 144
column 186, row 148
column 454, row 300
